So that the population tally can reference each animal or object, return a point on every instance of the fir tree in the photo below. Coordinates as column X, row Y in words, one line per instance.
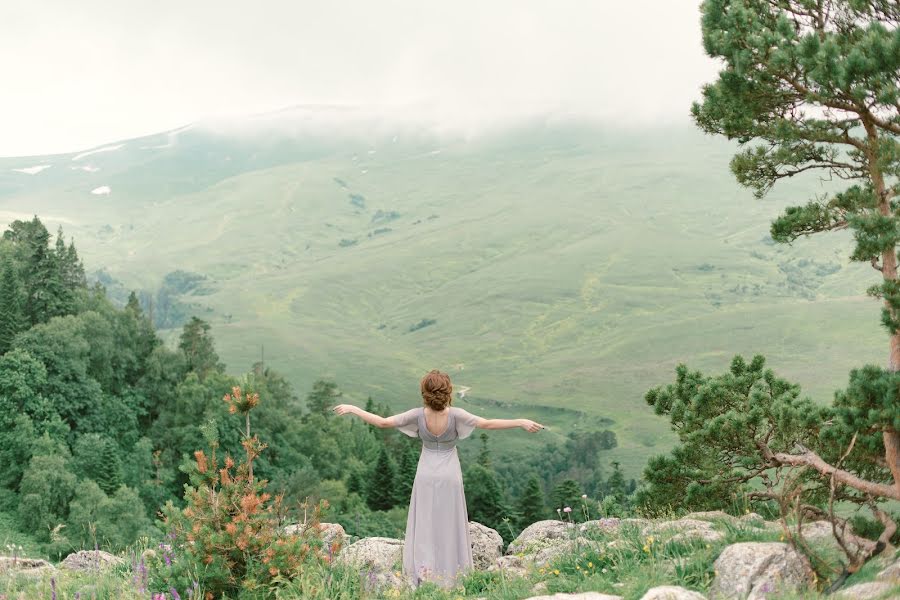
column 197, row 345
column 46, row 294
column 381, row 487
column 323, row 397
column 615, row 485
column 531, row 504
column 12, row 319
column 566, row 493
column 406, row 473
column 485, row 499
column 484, row 456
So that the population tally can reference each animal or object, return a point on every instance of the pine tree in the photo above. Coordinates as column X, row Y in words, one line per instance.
column 74, row 268
column 97, row 458
column 805, row 87
column 484, row 456
column 531, row 504
column 615, row 485
column 12, row 320
column 381, row 487
column 485, row 499
column 567, row 493
column 197, row 345
column 46, row 294
column 323, row 397
column 406, row 473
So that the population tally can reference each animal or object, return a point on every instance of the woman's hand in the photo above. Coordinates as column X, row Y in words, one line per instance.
column 343, row 409
column 530, row 426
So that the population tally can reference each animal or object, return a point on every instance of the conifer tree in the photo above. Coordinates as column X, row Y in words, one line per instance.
column 485, row 499
column 806, row 87
column 406, row 473
column 615, row 485
column 197, row 345
column 12, row 320
column 531, row 504
column 381, row 487
column 46, row 294
column 566, row 493
column 815, row 87
column 323, row 397
column 484, row 456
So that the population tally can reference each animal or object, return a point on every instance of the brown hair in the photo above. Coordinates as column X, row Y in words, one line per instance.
column 437, row 391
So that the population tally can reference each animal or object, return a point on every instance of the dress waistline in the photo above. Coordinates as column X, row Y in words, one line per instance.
column 439, row 445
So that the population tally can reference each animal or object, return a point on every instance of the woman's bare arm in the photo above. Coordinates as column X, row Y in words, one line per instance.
column 526, row 424
column 371, row 419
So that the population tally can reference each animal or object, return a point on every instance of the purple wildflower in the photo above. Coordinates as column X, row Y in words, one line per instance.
column 174, row 593
column 53, row 588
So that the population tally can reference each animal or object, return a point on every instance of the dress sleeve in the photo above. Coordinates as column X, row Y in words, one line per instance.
column 465, row 423
column 408, row 422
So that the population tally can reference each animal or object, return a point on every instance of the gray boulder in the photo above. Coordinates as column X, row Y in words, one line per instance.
column 713, row 515
column 672, row 592
column 378, row 559
column 90, row 560
column 684, row 529
column 487, row 545
column 511, row 565
column 890, row 574
column 752, row 570
column 541, row 534
column 581, row 596
column 821, row 532
column 330, row 532
column 25, row 566
column 872, row 590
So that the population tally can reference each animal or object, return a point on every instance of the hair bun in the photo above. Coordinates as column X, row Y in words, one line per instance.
column 437, row 391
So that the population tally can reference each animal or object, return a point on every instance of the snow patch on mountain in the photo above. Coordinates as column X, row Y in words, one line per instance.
column 33, row 170
column 103, row 149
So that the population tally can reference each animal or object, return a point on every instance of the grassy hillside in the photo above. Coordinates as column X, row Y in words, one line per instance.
column 553, row 267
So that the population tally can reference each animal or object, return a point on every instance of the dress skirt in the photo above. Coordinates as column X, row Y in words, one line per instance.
column 437, row 546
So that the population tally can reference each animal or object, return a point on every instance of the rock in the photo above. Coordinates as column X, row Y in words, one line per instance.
column 890, row 574
column 541, row 534
column 754, row 519
column 377, row 558
column 25, row 566
column 90, row 560
column 330, row 532
column 487, row 545
column 548, row 554
column 581, row 596
column 383, row 553
column 752, row 570
column 672, row 592
column 868, row 591
column 539, row 588
column 684, row 529
column 712, row 515
column 821, row 531
column 512, row 565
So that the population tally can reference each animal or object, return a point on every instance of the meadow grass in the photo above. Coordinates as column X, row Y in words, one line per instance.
column 563, row 269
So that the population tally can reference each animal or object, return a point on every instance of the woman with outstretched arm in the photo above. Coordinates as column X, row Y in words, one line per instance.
column 437, row 544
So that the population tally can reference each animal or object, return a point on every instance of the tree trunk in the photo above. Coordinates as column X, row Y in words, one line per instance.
column 889, row 272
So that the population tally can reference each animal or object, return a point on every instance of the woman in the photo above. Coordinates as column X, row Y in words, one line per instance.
column 437, row 544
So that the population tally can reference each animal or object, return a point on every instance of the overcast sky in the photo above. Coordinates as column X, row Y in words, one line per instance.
column 81, row 73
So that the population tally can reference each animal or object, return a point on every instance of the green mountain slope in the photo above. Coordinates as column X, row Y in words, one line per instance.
column 558, row 269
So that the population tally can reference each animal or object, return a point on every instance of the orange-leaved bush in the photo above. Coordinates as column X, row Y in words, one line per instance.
column 230, row 535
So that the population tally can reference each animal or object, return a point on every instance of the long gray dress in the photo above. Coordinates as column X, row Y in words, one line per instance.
column 437, row 545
